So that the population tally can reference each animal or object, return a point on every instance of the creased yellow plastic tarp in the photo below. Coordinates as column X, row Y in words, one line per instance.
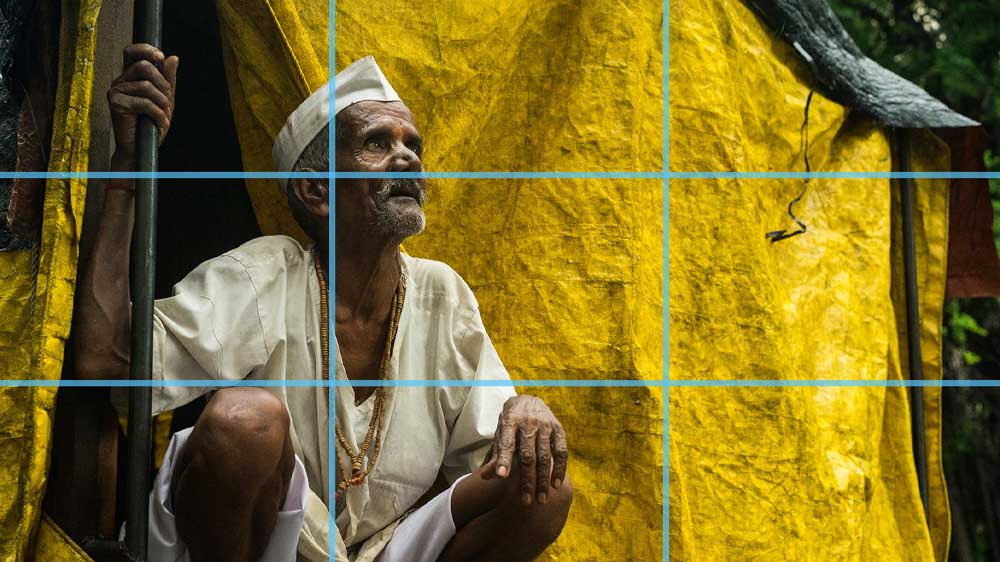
column 275, row 55
column 791, row 473
column 53, row 545
column 35, row 312
column 568, row 272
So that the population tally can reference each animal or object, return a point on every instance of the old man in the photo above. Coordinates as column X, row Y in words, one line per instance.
column 458, row 472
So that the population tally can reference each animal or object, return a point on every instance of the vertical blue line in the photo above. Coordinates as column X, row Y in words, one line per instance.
column 666, row 281
column 666, row 471
column 331, row 375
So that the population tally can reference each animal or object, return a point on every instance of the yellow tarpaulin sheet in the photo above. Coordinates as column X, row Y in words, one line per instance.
column 52, row 544
column 275, row 55
column 568, row 272
column 35, row 311
column 791, row 473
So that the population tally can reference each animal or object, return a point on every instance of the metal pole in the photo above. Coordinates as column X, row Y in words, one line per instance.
column 913, row 318
column 147, row 29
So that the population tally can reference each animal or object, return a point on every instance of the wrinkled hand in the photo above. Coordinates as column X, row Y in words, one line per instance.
column 142, row 89
column 528, row 427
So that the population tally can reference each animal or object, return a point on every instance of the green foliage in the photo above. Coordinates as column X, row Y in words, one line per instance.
column 993, row 163
column 971, row 358
column 947, row 47
column 959, row 324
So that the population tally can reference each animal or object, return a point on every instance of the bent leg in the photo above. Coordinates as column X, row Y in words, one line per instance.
column 230, row 479
column 493, row 524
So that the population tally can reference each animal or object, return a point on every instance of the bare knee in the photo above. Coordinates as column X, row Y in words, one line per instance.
column 541, row 524
column 554, row 513
column 231, row 476
column 242, row 436
column 253, row 418
column 560, row 499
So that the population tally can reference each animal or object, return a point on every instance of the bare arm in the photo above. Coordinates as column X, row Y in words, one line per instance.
column 102, row 322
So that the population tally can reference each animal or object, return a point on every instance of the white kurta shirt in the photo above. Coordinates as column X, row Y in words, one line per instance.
column 254, row 313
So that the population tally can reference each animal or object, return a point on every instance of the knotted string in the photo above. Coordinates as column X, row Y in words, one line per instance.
column 778, row 235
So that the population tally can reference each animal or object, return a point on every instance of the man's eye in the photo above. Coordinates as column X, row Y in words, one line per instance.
column 377, row 144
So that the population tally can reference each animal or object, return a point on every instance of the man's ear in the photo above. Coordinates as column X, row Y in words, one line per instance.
column 314, row 193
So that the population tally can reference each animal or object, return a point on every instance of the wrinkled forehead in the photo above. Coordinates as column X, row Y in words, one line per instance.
column 365, row 114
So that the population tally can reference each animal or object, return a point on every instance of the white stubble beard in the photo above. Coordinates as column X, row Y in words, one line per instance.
column 397, row 223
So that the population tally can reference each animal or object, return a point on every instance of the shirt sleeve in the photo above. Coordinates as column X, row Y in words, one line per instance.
column 210, row 328
column 472, row 434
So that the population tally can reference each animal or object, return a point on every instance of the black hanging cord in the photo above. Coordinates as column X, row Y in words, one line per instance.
column 779, row 235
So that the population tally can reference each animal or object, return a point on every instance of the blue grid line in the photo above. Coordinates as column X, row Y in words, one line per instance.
column 847, row 175
column 527, row 383
column 582, row 175
column 665, row 310
column 493, row 383
column 163, row 175
column 191, row 383
column 487, row 175
column 665, row 474
column 827, row 383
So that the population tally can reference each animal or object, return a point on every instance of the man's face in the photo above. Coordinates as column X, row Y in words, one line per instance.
column 380, row 137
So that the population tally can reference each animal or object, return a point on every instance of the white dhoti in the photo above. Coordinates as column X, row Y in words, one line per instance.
column 420, row 537
column 423, row 534
column 166, row 546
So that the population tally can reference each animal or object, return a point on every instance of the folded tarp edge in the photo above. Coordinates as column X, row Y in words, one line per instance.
column 845, row 74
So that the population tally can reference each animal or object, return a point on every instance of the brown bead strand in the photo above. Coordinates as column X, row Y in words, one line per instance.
column 377, row 423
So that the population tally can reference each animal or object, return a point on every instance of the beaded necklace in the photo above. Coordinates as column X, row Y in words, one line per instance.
column 356, row 474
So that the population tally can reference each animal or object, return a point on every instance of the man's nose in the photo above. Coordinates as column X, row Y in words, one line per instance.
column 405, row 160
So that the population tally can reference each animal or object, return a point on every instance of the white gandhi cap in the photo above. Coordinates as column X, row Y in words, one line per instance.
column 361, row 81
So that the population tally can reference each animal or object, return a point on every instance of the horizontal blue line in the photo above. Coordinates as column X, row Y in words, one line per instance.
column 161, row 175
column 103, row 383
column 322, row 383
column 731, row 383
column 500, row 383
column 335, row 175
column 437, row 383
column 500, row 175
column 667, row 175
column 834, row 175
